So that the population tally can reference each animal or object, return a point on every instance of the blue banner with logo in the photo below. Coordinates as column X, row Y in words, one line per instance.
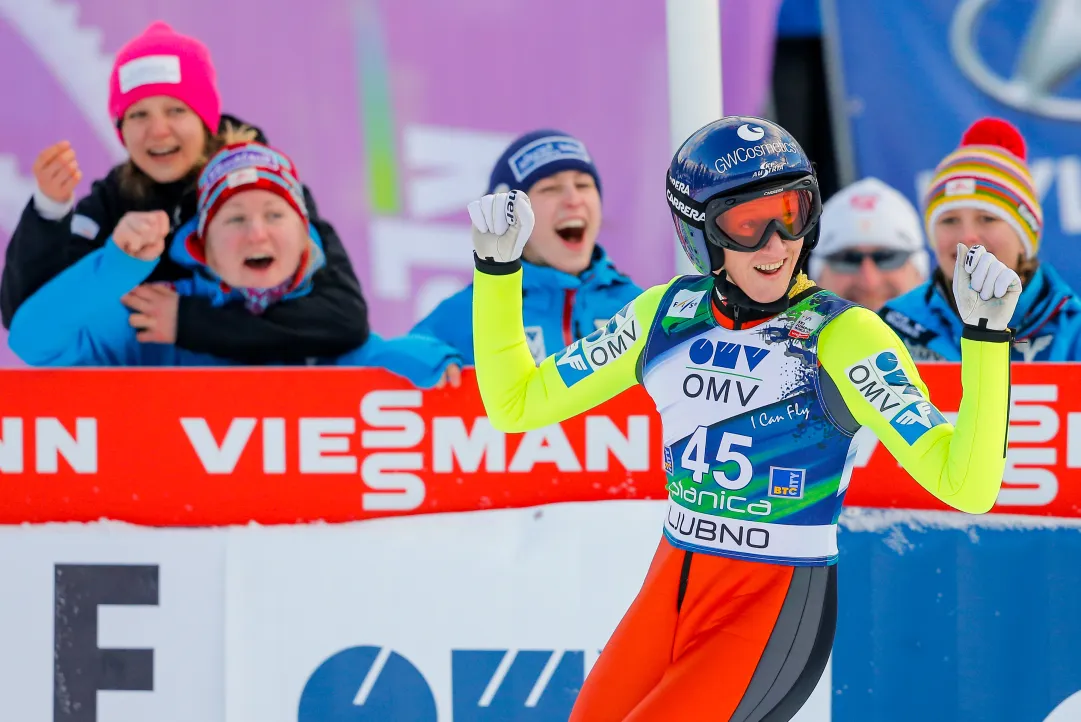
column 941, row 624
column 917, row 73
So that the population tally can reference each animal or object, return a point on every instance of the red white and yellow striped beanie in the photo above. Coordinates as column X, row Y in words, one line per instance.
column 988, row 172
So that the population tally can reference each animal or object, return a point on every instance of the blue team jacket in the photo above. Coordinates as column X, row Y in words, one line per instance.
column 1047, row 321
column 557, row 308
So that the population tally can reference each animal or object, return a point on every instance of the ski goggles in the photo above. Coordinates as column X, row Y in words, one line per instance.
column 746, row 221
column 849, row 262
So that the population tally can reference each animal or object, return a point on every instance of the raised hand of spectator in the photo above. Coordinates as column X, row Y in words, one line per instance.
column 56, row 171
column 141, row 234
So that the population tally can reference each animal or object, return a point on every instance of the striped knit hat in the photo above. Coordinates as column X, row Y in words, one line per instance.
column 988, row 172
column 245, row 166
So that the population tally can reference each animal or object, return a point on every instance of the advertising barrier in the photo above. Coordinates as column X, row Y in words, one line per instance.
column 278, row 446
column 111, row 623
column 497, row 616
column 493, row 614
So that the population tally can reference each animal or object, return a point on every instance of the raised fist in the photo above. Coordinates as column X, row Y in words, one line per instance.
column 502, row 223
column 985, row 290
column 141, row 234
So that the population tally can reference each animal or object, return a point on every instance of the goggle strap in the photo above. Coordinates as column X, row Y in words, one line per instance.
column 689, row 210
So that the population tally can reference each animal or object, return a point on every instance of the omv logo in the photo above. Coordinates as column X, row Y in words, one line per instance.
column 366, row 684
column 363, row 684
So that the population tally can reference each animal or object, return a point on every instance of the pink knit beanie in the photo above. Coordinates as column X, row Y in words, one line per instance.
column 161, row 61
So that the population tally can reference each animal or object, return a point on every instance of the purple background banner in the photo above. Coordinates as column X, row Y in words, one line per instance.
column 394, row 111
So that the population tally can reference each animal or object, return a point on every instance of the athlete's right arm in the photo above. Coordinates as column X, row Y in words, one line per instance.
column 518, row 395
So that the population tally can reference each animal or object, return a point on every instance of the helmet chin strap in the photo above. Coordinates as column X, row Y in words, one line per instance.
column 725, row 290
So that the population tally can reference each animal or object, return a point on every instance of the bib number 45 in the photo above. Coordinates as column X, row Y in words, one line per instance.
column 695, row 459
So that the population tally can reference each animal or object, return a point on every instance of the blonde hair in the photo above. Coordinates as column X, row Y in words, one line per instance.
column 234, row 133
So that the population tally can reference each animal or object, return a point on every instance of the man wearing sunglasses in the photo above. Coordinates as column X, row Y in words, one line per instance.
column 871, row 248
column 761, row 380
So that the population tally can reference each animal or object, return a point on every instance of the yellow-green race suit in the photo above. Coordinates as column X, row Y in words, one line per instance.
column 758, row 422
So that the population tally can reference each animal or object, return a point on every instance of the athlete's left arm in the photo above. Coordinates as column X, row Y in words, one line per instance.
column 962, row 465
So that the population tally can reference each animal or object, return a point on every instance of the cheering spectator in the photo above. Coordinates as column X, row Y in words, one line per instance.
column 251, row 247
column 570, row 287
column 164, row 100
column 982, row 194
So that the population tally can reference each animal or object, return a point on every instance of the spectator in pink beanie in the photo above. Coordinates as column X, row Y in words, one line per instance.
column 164, row 99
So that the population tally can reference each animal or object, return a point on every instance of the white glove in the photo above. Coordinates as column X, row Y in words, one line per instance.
column 502, row 223
column 984, row 289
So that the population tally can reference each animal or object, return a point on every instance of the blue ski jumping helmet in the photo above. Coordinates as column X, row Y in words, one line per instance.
column 732, row 161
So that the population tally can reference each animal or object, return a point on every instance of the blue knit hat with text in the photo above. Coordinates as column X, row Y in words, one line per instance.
column 538, row 155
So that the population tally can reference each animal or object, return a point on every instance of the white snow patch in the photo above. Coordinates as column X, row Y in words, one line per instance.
column 861, row 519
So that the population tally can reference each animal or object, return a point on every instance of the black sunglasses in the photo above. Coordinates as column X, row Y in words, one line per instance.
column 850, row 261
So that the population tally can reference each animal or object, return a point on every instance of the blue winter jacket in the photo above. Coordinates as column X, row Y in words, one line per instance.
column 1046, row 323
column 557, row 308
column 77, row 319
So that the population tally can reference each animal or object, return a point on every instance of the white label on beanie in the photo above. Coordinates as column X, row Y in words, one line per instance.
column 547, row 150
column 961, row 187
column 242, row 177
column 149, row 70
column 1024, row 212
